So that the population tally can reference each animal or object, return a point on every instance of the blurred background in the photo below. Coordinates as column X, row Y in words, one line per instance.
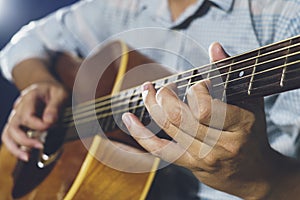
column 13, row 15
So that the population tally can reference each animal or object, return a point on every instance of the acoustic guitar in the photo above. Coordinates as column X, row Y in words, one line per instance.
column 67, row 168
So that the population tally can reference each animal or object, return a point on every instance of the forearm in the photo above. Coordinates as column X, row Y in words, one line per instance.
column 31, row 71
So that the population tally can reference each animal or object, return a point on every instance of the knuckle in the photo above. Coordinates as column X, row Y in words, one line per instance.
column 165, row 124
column 211, row 160
column 175, row 115
column 61, row 92
column 247, row 121
column 157, row 153
column 251, row 118
column 204, row 112
column 234, row 148
column 161, row 94
column 25, row 121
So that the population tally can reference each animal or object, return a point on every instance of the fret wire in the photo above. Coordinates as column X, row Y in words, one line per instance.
column 226, row 82
column 133, row 96
column 208, row 72
column 142, row 113
column 284, row 69
column 120, row 111
column 187, row 87
column 253, row 71
column 245, row 60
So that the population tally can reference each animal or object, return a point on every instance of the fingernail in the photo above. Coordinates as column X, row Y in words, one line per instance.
column 24, row 157
column 145, row 89
column 126, row 119
column 39, row 146
column 145, row 86
column 48, row 117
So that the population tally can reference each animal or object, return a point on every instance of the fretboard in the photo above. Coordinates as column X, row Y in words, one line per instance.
column 268, row 70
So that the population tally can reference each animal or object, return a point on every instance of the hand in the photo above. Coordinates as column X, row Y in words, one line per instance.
column 37, row 108
column 225, row 146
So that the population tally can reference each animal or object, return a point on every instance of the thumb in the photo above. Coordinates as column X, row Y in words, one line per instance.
column 216, row 52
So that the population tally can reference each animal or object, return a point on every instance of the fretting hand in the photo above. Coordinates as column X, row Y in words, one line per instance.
column 233, row 156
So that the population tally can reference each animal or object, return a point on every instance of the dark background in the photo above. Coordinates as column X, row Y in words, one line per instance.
column 13, row 15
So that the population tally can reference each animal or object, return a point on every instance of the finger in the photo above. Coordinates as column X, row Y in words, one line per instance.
column 21, row 139
column 169, row 112
column 13, row 147
column 25, row 113
column 177, row 112
column 143, row 135
column 34, row 123
column 197, row 156
column 178, row 122
column 185, row 134
column 215, row 113
column 165, row 149
column 216, row 52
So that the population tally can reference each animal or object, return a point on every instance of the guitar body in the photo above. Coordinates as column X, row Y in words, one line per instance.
column 75, row 170
column 76, row 173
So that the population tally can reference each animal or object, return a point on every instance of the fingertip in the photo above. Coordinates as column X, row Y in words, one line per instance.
column 146, row 86
column 49, row 118
column 126, row 119
column 24, row 156
column 217, row 52
column 38, row 145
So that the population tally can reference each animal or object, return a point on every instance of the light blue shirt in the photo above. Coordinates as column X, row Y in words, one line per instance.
column 239, row 25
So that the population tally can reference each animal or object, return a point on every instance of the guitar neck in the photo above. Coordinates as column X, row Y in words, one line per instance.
column 267, row 70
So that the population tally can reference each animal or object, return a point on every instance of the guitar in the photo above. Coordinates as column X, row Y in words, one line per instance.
column 73, row 172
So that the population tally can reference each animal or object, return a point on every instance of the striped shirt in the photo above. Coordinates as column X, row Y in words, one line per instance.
column 239, row 25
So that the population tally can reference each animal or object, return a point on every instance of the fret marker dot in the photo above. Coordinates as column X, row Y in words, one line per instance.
column 241, row 73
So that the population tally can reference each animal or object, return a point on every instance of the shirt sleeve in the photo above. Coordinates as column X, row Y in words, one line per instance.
column 56, row 32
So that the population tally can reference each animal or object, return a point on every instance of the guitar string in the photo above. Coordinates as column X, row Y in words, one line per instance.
column 124, row 100
column 99, row 116
column 79, row 121
column 257, row 80
column 98, row 106
column 108, row 97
